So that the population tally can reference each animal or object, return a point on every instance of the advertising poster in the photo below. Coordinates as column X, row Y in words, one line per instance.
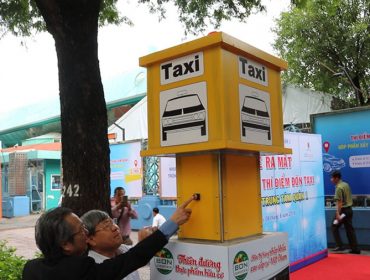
column 264, row 257
column 167, row 178
column 126, row 168
column 180, row 260
column 345, row 147
column 293, row 197
column 55, row 182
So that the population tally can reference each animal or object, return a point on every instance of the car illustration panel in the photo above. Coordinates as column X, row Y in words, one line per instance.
column 332, row 163
column 255, row 116
column 183, row 115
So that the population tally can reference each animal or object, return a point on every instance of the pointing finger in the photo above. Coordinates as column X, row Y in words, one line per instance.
column 187, row 202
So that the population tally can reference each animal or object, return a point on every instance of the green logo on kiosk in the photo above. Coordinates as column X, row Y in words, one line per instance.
column 241, row 265
column 163, row 261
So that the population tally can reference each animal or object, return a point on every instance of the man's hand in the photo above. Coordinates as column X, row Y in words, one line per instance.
column 337, row 216
column 182, row 214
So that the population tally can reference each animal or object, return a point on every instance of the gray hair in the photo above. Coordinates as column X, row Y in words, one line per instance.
column 92, row 218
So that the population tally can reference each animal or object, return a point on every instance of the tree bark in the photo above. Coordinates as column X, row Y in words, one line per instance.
column 85, row 146
column 359, row 96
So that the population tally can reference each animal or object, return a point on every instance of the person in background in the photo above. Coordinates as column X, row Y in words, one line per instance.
column 158, row 219
column 104, row 239
column 343, row 214
column 62, row 238
column 123, row 212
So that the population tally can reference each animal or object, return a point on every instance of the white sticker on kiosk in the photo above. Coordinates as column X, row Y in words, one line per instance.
column 182, row 68
column 253, row 71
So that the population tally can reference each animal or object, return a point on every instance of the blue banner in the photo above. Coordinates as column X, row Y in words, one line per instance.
column 346, row 147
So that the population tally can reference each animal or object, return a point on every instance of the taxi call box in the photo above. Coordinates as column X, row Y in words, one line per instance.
column 215, row 102
column 214, row 93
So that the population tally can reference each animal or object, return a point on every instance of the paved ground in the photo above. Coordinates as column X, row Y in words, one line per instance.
column 19, row 233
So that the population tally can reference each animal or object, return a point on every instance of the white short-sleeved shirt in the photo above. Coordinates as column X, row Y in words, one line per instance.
column 158, row 220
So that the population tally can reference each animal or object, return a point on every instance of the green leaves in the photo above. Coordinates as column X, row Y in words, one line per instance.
column 19, row 17
column 333, row 33
column 110, row 15
column 11, row 266
column 196, row 14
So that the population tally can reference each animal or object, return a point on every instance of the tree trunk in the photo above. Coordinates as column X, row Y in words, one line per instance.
column 85, row 146
column 359, row 96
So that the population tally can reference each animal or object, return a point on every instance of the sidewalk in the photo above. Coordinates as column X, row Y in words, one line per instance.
column 19, row 232
column 18, row 222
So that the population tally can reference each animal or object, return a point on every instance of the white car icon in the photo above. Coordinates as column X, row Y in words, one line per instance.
column 331, row 163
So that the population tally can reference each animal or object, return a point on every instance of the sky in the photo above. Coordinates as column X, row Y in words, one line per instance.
column 29, row 74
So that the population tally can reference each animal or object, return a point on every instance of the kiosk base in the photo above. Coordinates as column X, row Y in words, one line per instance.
column 257, row 257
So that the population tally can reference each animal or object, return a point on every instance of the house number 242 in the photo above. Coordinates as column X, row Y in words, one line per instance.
column 71, row 191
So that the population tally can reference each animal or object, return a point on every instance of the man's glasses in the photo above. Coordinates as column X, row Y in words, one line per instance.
column 106, row 226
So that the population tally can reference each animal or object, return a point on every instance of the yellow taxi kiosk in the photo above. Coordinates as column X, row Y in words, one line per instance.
column 215, row 103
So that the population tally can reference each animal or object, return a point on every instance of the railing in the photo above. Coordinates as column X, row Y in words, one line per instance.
column 358, row 201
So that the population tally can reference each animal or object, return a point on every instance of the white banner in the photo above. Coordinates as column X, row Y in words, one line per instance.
column 167, row 179
column 292, row 195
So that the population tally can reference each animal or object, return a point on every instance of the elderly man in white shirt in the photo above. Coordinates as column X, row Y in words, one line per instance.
column 104, row 239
